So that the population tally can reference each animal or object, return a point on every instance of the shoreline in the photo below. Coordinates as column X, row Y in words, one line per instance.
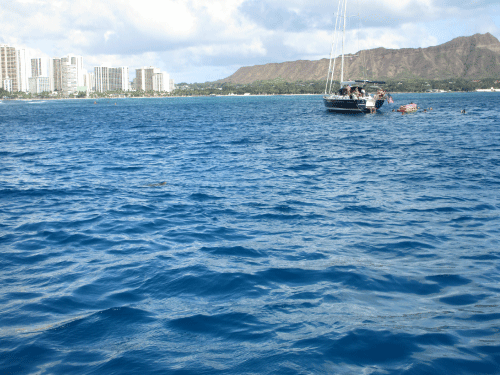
column 228, row 96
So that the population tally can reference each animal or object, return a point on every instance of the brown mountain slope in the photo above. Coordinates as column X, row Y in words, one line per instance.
column 476, row 56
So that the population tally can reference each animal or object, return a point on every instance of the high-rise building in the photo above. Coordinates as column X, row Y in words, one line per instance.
column 145, row 78
column 67, row 74
column 23, row 69
column 161, row 81
column 111, row 79
column 39, row 84
column 77, row 63
column 7, row 85
column 101, row 78
column 140, row 79
column 55, row 74
column 152, row 79
column 148, row 74
column 9, row 72
column 38, row 67
column 119, row 79
column 89, row 81
column 69, row 77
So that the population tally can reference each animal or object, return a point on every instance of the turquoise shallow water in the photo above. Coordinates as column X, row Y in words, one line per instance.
column 285, row 239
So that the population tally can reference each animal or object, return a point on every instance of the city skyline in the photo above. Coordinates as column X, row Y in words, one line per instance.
column 20, row 72
column 197, row 41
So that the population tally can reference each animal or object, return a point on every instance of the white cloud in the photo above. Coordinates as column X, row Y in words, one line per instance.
column 197, row 37
column 168, row 17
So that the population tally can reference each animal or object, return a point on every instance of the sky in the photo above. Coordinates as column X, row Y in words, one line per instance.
column 207, row 40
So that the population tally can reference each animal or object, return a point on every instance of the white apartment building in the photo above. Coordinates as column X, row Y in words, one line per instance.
column 67, row 74
column 77, row 62
column 23, row 69
column 39, row 85
column 111, row 79
column 14, row 68
column 89, row 81
column 144, row 78
column 38, row 67
column 7, row 85
column 152, row 79
column 69, row 78
column 161, row 81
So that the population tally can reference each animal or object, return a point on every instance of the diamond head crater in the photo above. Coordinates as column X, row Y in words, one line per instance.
column 462, row 64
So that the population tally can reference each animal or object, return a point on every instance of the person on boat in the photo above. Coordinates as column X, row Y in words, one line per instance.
column 356, row 93
column 353, row 92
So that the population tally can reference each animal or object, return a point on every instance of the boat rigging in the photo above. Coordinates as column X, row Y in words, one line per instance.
column 352, row 96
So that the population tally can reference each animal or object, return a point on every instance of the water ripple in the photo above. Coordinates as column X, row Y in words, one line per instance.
column 249, row 235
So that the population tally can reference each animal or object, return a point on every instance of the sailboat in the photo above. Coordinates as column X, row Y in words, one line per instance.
column 351, row 97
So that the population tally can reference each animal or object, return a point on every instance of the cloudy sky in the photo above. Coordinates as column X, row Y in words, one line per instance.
column 205, row 40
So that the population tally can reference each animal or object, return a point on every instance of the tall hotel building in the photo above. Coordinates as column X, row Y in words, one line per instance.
column 152, row 79
column 55, row 74
column 38, row 67
column 161, row 81
column 23, row 67
column 111, row 79
column 9, row 72
column 67, row 74
column 144, row 78
column 39, row 80
column 69, row 77
column 89, row 81
column 14, row 70
column 39, row 85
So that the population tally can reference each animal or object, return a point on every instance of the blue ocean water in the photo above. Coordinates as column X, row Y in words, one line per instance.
column 249, row 235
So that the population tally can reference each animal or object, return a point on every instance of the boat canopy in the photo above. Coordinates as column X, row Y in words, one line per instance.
column 367, row 81
column 348, row 83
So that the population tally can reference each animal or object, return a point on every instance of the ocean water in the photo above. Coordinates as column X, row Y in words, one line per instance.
column 249, row 235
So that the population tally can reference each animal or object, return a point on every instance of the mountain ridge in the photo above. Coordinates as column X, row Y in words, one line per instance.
column 476, row 56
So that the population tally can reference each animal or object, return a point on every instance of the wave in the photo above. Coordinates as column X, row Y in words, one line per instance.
column 279, row 243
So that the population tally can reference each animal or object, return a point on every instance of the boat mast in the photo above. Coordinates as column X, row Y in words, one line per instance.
column 343, row 42
column 335, row 43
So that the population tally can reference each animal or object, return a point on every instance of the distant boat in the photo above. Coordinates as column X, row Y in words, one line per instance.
column 352, row 96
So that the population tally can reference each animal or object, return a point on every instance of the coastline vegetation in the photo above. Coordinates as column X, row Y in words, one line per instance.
column 274, row 87
column 280, row 86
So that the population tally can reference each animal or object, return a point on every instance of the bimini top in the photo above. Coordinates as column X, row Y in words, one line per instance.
column 367, row 81
column 348, row 83
column 363, row 81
